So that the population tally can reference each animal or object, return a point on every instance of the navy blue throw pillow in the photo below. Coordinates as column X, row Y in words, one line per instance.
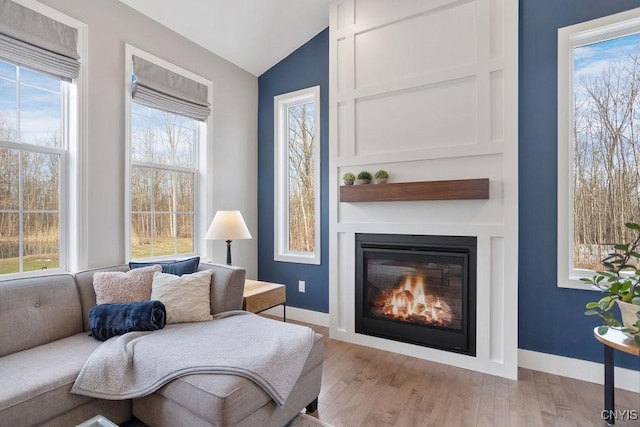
column 109, row 320
column 177, row 268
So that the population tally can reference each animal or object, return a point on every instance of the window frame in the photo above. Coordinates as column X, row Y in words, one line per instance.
column 202, row 158
column 281, row 103
column 73, row 207
column 569, row 38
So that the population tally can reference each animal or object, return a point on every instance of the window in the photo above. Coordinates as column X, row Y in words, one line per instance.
column 40, row 86
column 32, row 158
column 297, row 176
column 598, row 140
column 162, row 182
column 164, row 149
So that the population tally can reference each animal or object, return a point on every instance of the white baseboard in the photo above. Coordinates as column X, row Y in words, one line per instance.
column 301, row 315
column 592, row 372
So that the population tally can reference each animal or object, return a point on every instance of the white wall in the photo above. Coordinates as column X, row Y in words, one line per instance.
column 428, row 91
column 111, row 24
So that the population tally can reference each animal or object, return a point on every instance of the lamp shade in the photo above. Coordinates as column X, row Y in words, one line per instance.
column 228, row 225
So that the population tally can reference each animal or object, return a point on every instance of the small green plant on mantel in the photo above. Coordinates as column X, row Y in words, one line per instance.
column 364, row 175
column 348, row 176
column 620, row 282
column 382, row 174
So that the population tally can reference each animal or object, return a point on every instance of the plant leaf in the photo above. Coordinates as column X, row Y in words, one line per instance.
column 590, row 312
column 636, row 338
column 615, row 287
column 632, row 225
column 592, row 305
column 602, row 330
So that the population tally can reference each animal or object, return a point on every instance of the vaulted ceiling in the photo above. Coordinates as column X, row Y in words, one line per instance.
column 253, row 34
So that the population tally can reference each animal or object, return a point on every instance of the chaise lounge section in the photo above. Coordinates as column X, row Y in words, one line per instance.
column 44, row 342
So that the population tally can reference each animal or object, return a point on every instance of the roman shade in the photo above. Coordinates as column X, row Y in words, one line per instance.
column 37, row 42
column 157, row 87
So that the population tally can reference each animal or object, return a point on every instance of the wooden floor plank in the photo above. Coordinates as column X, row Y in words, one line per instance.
column 472, row 399
column 545, row 401
column 524, row 407
column 501, row 415
column 362, row 386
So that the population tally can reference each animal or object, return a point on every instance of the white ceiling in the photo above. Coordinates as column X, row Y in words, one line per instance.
column 253, row 34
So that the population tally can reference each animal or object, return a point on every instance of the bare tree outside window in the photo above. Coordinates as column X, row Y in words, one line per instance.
column 606, row 152
column 31, row 150
column 162, row 182
column 301, row 177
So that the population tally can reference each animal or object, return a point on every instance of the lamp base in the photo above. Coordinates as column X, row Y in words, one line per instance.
column 228, row 252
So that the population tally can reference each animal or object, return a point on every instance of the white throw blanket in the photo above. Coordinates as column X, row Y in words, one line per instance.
column 268, row 352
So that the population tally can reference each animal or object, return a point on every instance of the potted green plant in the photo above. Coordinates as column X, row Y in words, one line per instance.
column 364, row 177
column 620, row 282
column 348, row 178
column 381, row 176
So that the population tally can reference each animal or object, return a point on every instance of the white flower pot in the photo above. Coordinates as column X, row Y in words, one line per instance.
column 628, row 312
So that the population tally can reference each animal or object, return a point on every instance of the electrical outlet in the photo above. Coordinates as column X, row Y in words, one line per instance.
column 301, row 286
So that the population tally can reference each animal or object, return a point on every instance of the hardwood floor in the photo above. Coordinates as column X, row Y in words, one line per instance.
column 362, row 386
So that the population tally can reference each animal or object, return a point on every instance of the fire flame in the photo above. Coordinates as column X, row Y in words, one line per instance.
column 411, row 301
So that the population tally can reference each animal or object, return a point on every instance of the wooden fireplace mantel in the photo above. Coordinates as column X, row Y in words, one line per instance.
column 460, row 189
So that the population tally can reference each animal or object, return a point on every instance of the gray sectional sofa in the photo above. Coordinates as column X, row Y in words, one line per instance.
column 44, row 343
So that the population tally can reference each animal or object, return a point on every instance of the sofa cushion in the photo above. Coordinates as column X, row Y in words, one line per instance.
column 178, row 268
column 84, row 281
column 227, row 399
column 116, row 286
column 220, row 399
column 36, row 383
column 36, row 311
column 185, row 297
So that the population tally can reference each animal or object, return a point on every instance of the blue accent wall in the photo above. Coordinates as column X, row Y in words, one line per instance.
column 306, row 67
column 551, row 319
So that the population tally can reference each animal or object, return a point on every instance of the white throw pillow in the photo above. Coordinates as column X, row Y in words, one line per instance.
column 186, row 297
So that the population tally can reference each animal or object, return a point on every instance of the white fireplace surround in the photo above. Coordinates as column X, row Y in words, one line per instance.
column 428, row 91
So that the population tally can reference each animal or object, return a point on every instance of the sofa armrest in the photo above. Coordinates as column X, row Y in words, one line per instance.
column 227, row 286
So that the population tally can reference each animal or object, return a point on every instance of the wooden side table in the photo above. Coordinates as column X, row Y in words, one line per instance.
column 613, row 339
column 261, row 296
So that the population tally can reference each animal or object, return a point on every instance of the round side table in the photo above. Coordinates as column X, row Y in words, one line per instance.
column 613, row 339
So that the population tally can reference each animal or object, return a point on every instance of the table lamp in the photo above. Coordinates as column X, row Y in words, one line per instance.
column 228, row 226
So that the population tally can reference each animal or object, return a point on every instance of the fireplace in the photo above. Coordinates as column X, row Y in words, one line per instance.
column 417, row 289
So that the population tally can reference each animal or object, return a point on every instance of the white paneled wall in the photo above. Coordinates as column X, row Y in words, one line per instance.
column 428, row 91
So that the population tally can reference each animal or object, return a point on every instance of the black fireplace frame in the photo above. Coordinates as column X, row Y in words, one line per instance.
column 462, row 340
